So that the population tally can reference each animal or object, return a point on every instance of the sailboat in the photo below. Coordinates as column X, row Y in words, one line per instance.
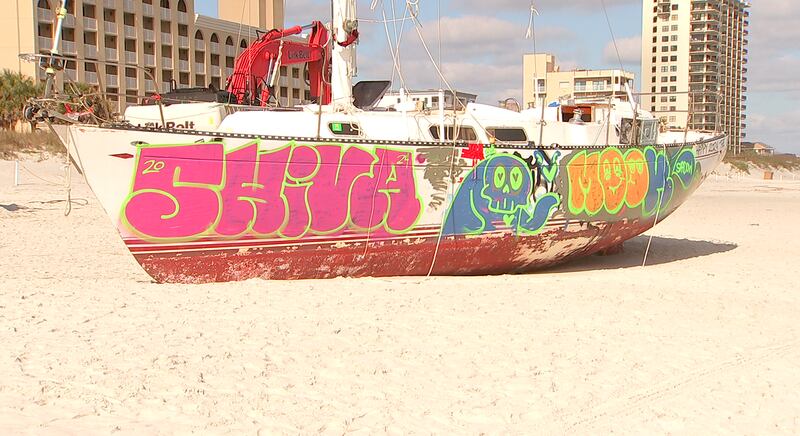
column 237, row 188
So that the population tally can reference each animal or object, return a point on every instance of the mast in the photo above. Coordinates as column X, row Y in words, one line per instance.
column 53, row 62
column 345, row 29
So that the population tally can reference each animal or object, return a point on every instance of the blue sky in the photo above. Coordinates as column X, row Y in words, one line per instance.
column 483, row 43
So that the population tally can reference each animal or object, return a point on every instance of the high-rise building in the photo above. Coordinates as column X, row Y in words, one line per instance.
column 262, row 14
column 543, row 80
column 694, row 60
column 132, row 48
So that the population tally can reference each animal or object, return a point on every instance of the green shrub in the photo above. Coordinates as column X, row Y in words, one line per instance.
column 12, row 143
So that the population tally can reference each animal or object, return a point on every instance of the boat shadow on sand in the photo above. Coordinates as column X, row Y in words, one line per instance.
column 662, row 250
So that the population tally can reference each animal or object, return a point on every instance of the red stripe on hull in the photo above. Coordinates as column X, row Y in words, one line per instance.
column 410, row 257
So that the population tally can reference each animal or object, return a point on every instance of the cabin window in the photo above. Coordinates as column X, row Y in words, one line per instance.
column 464, row 133
column 345, row 129
column 508, row 134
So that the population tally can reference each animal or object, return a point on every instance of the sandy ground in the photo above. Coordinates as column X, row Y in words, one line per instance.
column 705, row 339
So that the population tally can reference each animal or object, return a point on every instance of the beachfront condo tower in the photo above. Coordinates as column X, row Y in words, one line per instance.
column 694, row 64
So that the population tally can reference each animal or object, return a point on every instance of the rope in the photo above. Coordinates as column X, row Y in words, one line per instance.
column 616, row 47
column 658, row 209
column 395, row 58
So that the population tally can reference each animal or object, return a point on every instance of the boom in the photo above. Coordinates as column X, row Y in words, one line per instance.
column 256, row 69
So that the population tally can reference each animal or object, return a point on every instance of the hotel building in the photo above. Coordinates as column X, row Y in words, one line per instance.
column 132, row 48
column 543, row 80
column 694, row 59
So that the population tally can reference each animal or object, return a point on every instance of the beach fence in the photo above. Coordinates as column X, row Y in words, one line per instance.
column 19, row 168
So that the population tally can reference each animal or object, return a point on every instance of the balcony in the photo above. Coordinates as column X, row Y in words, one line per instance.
column 183, row 18
column 130, row 57
column 128, row 5
column 166, row 38
column 149, row 86
column 89, row 24
column 216, row 71
column 199, row 44
column 72, row 75
column 166, row 62
column 149, row 35
column 130, row 32
column 69, row 20
column 112, row 80
column 199, row 67
column 214, row 47
column 130, row 83
column 183, row 66
column 166, row 14
column 147, row 10
column 69, row 47
column 111, row 4
column 45, row 43
column 44, row 15
column 90, row 51
column 110, row 27
column 111, row 54
column 91, row 78
column 149, row 60
column 183, row 41
column 230, row 50
column 228, row 72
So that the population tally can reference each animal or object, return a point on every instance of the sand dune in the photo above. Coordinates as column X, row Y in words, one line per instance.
column 702, row 340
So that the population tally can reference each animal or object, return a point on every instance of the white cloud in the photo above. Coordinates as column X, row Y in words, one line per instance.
column 581, row 6
column 630, row 51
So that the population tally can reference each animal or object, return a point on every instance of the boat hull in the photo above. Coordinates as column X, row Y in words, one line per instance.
column 196, row 207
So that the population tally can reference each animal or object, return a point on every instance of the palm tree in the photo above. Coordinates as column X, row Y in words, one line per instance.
column 15, row 90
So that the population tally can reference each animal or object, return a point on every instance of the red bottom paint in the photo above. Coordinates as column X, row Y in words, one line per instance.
column 487, row 254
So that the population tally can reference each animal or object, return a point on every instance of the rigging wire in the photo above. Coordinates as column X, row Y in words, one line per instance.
column 616, row 46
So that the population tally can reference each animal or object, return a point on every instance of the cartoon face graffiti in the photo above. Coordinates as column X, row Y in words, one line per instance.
column 498, row 192
column 506, row 184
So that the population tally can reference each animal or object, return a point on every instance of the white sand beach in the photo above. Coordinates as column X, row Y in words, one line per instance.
column 703, row 340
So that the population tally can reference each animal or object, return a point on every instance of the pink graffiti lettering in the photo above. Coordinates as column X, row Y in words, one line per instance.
column 198, row 190
column 175, row 191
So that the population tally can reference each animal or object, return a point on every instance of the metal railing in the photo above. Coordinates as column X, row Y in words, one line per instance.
column 44, row 14
column 89, row 23
column 45, row 43
column 110, row 27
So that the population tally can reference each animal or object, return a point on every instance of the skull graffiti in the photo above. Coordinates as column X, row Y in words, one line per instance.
column 507, row 184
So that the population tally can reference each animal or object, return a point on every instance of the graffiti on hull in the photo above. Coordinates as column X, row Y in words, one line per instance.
column 186, row 192
column 611, row 180
column 500, row 190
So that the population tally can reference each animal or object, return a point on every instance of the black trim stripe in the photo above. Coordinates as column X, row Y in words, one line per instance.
column 459, row 144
